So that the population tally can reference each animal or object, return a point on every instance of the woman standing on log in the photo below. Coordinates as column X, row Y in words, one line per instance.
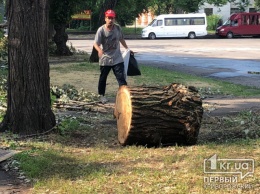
column 109, row 36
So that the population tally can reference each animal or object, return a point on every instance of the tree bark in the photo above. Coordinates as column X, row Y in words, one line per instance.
column 60, row 38
column 156, row 116
column 28, row 96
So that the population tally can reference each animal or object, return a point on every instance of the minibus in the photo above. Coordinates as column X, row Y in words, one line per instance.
column 240, row 24
column 177, row 25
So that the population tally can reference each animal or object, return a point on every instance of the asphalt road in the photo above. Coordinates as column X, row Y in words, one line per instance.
column 236, row 60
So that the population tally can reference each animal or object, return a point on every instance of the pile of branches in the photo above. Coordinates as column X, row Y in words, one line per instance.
column 69, row 97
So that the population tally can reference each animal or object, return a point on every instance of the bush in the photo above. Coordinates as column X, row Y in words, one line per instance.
column 84, row 28
column 68, row 125
column 212, row 21
column 3, row 75
column 3, row 52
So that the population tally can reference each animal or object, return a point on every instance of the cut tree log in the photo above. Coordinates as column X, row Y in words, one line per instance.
column 155, row 116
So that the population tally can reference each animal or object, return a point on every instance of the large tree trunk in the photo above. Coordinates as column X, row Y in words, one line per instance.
column 28, row 96
column 61, row 38
column 156, row 116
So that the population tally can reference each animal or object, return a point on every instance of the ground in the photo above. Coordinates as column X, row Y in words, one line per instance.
column 10, row 183
column 216, row 107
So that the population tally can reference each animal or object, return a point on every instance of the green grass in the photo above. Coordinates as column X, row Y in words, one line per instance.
column 153, row 76
column 157, row 76
column 83, row 155
column 132, row 30
column 75, row 67
column 128, row 170
column 211, row 32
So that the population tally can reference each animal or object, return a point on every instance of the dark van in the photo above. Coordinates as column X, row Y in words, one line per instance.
column 240, row 24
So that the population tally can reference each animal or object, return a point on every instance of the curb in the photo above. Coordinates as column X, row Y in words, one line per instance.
column 128, row 37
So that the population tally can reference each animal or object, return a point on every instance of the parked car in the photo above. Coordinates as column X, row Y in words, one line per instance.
column 177, row 25
column 240, row 24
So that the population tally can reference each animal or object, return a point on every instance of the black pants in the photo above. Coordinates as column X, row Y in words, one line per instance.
column 119, row 73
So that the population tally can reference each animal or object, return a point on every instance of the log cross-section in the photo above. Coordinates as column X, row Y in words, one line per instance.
column 156, row 116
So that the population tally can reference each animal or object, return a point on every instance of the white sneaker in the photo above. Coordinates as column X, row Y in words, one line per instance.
column 103, row 99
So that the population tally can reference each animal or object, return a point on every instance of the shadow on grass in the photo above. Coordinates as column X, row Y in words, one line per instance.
column 43, row 165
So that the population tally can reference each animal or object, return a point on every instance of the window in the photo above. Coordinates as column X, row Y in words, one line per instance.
column 208, row 11
column 252, row 10
column 253, row 20
column 234, row 23
column 245, row 20
column 170, row 22
column 234, row 10
column 184, row 21
column 157, row 23
column 199, row 21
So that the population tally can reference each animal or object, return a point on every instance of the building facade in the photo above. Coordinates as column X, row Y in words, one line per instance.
column 144, row 19
column 225, row 11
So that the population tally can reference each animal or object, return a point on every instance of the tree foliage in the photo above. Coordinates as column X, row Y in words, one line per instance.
column 173, row 6
column 257, row 4
column 188, row 6
column 133, row 7
column 62, row 10
column 60, row 15
column 242, row 4
column 127, row 10
column 217, row 2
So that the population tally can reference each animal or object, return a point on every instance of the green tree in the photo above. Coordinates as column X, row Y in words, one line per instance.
column 242, row 4
column 126, row 11
column 181, row 6
column 217, row 2
column 133, row 7
column 162, row 6
column 28, row 94
column 60, row 15
column 187, row 6
column 174, row 6
column 257, row 4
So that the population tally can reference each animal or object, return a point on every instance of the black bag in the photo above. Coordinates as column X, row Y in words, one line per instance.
column 94, row 56
column 133, row 68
